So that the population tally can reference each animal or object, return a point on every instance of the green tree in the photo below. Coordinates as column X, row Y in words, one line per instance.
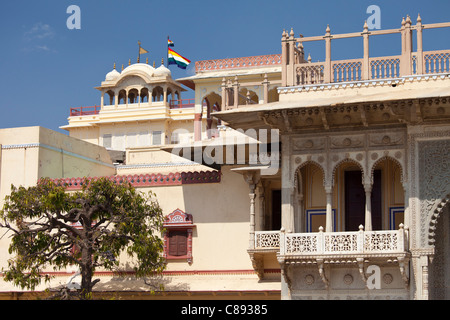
column 89, row 228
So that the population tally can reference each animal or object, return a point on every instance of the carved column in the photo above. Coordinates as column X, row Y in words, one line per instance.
column 327, row 70
column 262, row 207
column 329, row 213
column 287, row 186
column 198, row 126
column 102, row 100
column 252, row 196
column 284, row 58
column 366, row 67
column 224, row 95
column 300, row 214
column 252, row 178
column 236, row 92
column 368, row 208
column 266, row 89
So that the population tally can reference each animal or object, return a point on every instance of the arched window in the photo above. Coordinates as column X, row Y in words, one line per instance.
column 133, row 95
column 178, row 236
column 157, row 94
column 144, row 95
column 111, row 95
column 122, row 96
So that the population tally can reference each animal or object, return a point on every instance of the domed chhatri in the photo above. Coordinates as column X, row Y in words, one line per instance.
column 113, row 75
column 162, row 71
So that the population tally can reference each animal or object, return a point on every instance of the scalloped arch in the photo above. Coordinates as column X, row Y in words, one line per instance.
column 347, row 160
column 384, row 158
column 437, row 210
column 300, row 166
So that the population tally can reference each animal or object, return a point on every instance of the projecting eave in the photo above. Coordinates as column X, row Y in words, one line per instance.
column 297, row 98
column 226, row 73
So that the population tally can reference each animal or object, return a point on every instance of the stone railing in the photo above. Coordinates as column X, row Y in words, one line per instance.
column 267, row 239
column 298, row 71
column 324, row 243
column 344, row 243
column 236, row 63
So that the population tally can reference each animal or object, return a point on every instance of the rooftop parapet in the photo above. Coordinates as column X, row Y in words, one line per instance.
column 296, row 71
column 238, row 63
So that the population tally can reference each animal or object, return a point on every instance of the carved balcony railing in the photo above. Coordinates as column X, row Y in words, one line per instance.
column 344, row 243
column 318, row 247
column 329, row 243
column 296, row 71
column 267, row 240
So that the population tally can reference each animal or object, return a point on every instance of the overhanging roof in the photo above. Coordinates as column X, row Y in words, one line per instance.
column 250, row 116
column 190, row 81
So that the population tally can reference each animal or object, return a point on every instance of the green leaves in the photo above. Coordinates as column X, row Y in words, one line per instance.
column 89, row 228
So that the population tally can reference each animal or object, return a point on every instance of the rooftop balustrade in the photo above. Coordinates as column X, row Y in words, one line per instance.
column 297, row 71
column 84, row 111
column 237, row 63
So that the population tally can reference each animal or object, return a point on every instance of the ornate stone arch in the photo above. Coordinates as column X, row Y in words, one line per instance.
column 347, row 159
column 436, row 211
column 394, row 160
column 297, row 170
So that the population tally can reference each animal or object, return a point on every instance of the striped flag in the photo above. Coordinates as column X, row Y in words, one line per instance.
column 170, row 43
column 179, row 60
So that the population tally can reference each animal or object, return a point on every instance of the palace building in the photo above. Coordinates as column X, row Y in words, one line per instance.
column 282, row 179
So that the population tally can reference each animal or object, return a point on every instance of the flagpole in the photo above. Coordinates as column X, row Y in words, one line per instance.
column 139, row 53
column 167, row 58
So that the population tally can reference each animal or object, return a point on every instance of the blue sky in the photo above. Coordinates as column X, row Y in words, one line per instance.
column 47, row 68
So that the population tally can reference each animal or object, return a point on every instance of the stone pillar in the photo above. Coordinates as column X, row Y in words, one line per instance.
column 368, row 208
column 262, row 207
column 224, row 95
column 329, row 210
column 291, row 64
column 266, row 89
column 197, row 126
column 236, row 92
column 284, row 58
column 252, row 196
column 252, row 178
column 165, row 96
column 327, row 70
column 366, row 66
column 300, row 214
column 419, row 60
column 102, row 99
column 287, row 187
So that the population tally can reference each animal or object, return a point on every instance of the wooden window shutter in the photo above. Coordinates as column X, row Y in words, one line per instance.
column 178, row 243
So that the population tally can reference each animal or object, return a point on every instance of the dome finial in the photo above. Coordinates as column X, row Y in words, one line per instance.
column 162, row 61
column 114, row 66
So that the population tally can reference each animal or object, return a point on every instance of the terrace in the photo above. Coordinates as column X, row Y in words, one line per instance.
column 94, row 110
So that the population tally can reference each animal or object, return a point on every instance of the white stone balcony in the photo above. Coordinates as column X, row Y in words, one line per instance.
column 342, row 244
column 333, row 248
column 333, row 243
